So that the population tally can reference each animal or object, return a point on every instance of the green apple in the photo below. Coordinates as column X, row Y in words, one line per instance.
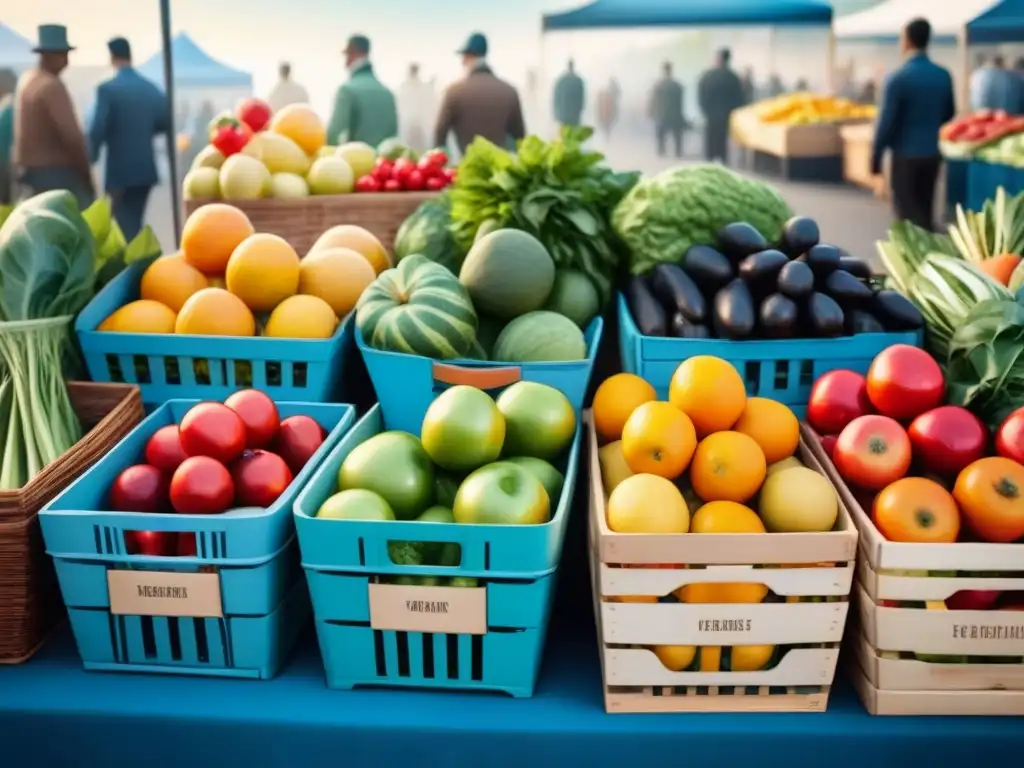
column 539, row 420
column 356, row 504
column 394, row 465
column 549, row 477
column 502, row 493
column 463, row 429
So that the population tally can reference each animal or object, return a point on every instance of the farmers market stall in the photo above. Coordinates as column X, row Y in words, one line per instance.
column 984, row 151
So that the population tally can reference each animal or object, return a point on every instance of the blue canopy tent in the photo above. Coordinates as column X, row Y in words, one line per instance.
column 15, row 49
column 194, row 68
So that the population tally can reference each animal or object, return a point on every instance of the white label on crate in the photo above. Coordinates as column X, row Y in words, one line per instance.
column 449, row 610
column 723, row 625
column 164, row 593
column 988, row 632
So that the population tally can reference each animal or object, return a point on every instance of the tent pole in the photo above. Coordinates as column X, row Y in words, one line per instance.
column 964, row 89
column 539, row 90
column 833, row 86
column 172, row 143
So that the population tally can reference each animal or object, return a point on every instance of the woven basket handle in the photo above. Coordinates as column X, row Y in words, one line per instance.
column 481, row 378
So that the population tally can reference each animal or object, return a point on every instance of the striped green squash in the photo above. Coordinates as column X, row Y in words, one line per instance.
column 418, row 308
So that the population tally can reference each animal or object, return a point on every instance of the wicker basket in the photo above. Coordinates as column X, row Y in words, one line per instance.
column 303, row 220
column 30, row 602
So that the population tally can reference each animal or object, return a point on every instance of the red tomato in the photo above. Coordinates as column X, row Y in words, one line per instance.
column 141, row 488
column 1010, row 437
column 435, row 158
column 392, row 185
column 382, row 169
column 435, row 183
column 368, row 184
column 837, row 398
column 946, row 439
column 828, row 445
column 401, row 169
column 152, row 543
column 297, row 440
column 872, row 451
column 260, row 478
column 904, row 382
column 201, row 486
column 450, row 174
column 164, row 449
column 230, row 139
column 259, row 414
column 414, row 180
column 187, row 545
column 254, row 113
column 214, row 430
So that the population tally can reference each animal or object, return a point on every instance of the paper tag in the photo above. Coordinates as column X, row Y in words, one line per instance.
column 164, row 593
column 449, row 610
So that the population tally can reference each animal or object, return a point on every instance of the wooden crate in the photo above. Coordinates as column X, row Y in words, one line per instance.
column 989, row 645
column 812, row 571
column 857, row 146
column 303, row 220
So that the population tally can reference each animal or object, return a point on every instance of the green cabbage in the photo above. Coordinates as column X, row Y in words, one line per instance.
column 663, row 215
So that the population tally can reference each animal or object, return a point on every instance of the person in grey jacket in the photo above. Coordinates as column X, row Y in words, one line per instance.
column 719, row 92
column 666, row 109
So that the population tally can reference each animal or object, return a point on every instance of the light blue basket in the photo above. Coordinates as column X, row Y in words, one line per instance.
column 407, row 384
column 170, row 366
column 517, row 565
column 780, row 369
column 253, row 551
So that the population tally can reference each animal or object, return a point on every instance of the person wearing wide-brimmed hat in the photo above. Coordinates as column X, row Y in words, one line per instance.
column 480, row 104
column 364, row 108
column 130, row 110
column 49, row 148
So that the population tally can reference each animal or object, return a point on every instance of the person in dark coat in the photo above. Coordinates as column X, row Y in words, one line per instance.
column 666, row 109
column 719, row 92
column 130, row 111
column 569, row 97
column 916, row 101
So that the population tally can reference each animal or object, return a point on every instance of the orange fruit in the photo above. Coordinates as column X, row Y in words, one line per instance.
column 616, row 398
column 916, row 509
column 171, row 280
column 724, row 517
column 302, row 317
column 360, row 240
column 676, row 658
column 773, row 426
column 301, row 124
column 263, row 271
column 211, row 234
column 337, row 275
column 215, row 312
column 142, row 316
column 727, row 466
column 710, row 391
column 658, row 439
column 647, row 504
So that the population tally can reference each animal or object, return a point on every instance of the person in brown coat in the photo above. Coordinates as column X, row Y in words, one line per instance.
column 49, row 147
column 480, row 104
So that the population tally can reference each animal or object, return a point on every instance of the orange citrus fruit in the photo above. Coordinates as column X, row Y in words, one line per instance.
column 142, row 316
column 171, row 280
column 616, row 398
column 724, row 517
column 647, row 504
column 360, row 240
column 710, row 391
column 301, row 124
column 337, row 275
column 676, row 658
column 727, row 466
column 773, row 426
column 658, row 439
column 263, row 271
column 215, row 312
column 211, row 234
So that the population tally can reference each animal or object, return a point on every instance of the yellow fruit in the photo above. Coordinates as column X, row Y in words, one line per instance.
column 778, row 466
column 302, row 317
column 171, row 280
column 798, row 500
column 301, row 124
column 724, row 517
column 337, row 275
column 215, row 312
column 211, row 234
column 143, row 316
column 675, row 657
column 647, row 504
column 263, row 271
column 750, row 658
column 360, row 240
column 617, row 398
column 614, row 468
column 710, row 391
column 773, row 426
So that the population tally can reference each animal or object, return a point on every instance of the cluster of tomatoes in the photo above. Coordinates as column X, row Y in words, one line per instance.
column 407, row 175
column 239, row 453
column 929, row 472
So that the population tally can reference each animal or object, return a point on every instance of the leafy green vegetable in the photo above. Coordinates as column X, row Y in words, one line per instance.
column 559, row 192
column 664, row 215
column 113, row 254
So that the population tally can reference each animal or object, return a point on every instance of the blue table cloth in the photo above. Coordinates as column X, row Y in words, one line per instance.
column 983, row 179
column 956, row 183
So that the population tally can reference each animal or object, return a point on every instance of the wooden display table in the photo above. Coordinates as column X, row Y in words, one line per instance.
column 857, row 142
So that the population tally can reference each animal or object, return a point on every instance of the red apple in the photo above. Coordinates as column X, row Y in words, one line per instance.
column 973, row 600
column 141, row 488
column 260, row 478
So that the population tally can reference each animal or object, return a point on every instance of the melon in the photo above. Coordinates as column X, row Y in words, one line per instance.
column 487, row 332
column 540, row 337
column 508, row 273
column 418, row 308
column 574, row 296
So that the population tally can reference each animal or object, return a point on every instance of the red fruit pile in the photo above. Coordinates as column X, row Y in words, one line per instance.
column 404, row 175
column 236, row 454
column 984, row 126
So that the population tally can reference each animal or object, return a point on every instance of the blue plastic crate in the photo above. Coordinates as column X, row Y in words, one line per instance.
column 251, row 549
column 407, row 384
column 517, row 565
column 170, row 366
column 780, row 369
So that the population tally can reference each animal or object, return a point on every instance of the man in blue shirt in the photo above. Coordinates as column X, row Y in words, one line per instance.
column 129, row 112
column 995, row 87
column 916, row 101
